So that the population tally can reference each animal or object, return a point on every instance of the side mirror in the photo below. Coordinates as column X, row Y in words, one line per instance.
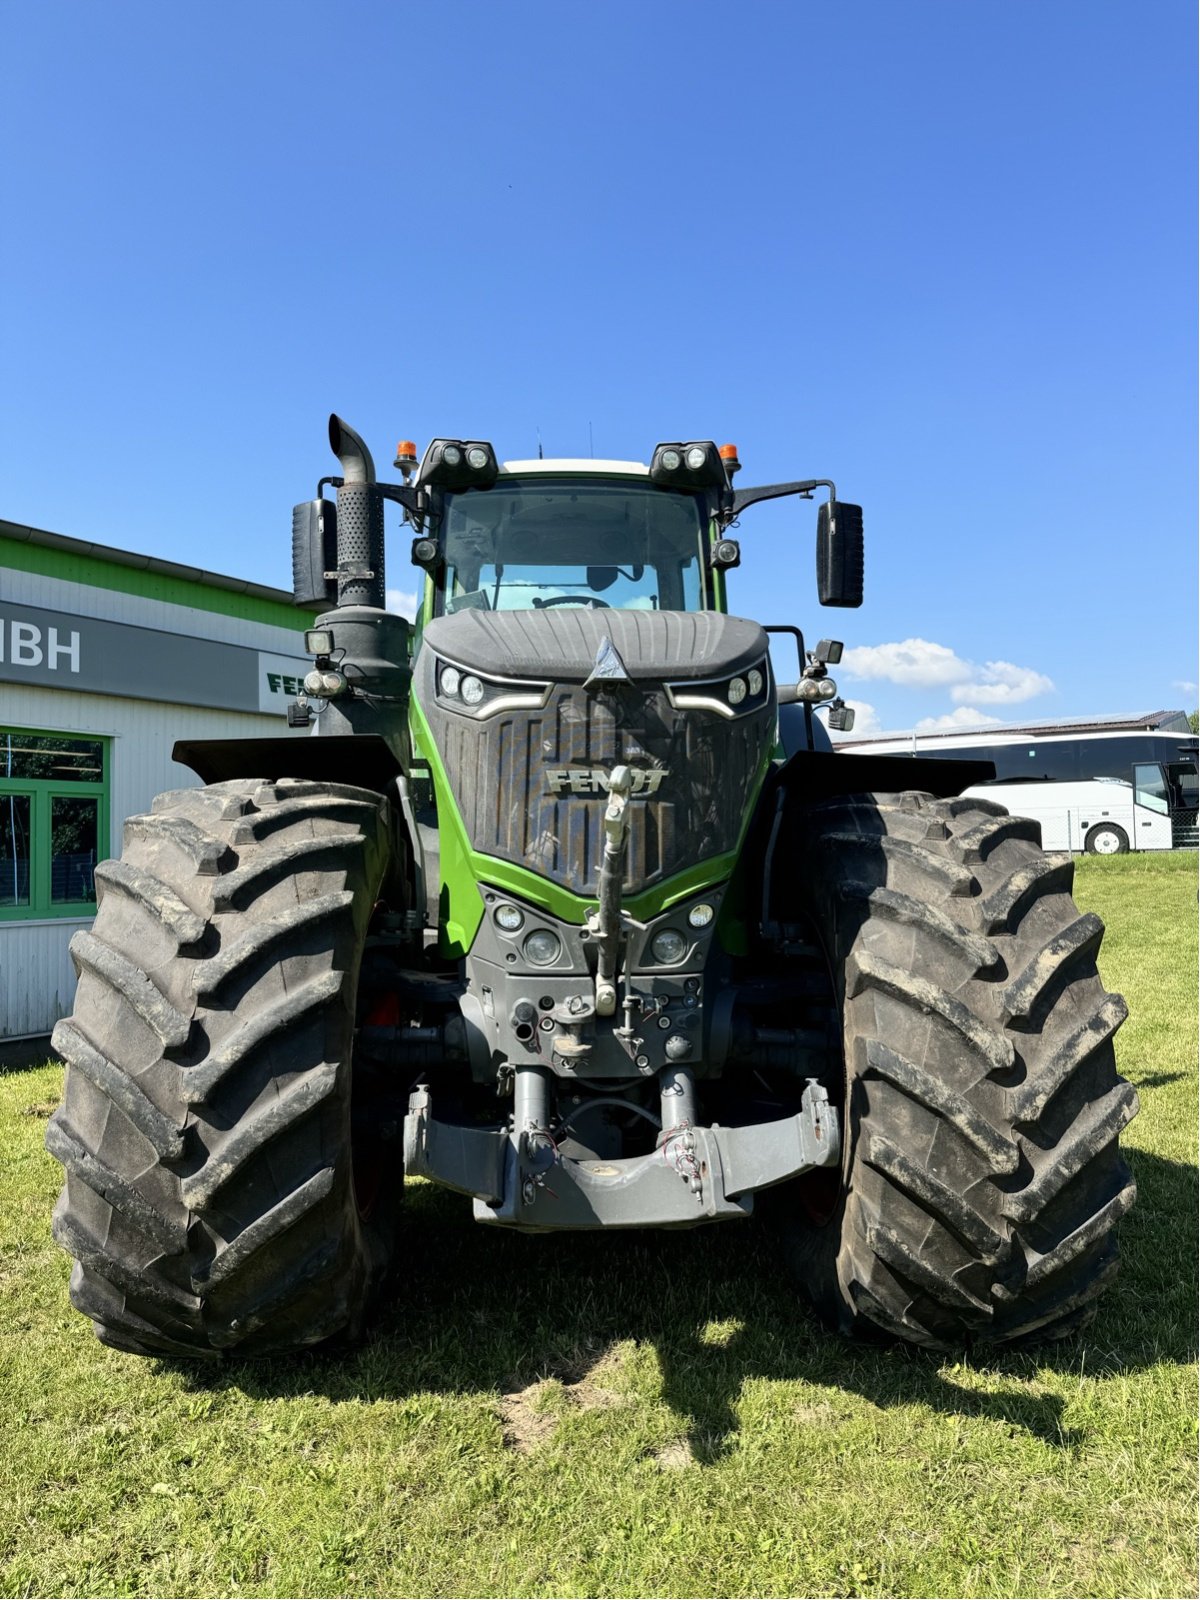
column 840, row 554
column 314, row 552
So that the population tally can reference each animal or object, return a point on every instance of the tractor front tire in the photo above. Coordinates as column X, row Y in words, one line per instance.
column 218, row 1197
column 981, row 1181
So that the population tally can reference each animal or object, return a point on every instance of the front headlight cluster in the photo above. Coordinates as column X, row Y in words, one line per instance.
column 459, row 464
column 672, row 945
column 470, row 693
column 744, row 692
column 541, row 947
column 453, row 684
column 681, row 940
column 694, row 465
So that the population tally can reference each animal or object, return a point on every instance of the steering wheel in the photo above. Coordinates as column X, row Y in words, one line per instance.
column 573, row 600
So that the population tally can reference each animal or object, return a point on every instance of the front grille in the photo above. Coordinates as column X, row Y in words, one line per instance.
column 503, row 771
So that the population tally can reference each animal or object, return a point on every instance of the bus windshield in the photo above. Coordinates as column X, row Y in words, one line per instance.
column 528, row 543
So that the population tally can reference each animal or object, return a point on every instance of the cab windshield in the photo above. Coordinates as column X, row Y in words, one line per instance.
column 529, row 543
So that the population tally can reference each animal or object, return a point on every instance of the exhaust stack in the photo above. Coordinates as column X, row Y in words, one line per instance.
column 360, row 578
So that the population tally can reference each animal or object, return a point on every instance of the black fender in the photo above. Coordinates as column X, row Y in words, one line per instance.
column 809, row 777
column 360, row 760
column 364, row 760
column 812, row 775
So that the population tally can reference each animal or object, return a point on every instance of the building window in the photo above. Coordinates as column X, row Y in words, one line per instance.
column 53, row 823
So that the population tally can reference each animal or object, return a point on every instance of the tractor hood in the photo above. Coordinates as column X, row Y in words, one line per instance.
column 527, row 765
column 560, row 644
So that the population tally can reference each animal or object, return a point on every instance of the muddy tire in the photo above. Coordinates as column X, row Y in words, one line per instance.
column 211, row 1200
column 981, row 1181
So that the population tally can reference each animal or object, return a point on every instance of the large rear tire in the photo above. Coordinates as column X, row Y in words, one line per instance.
column 981, row 1181
column 218, row 1196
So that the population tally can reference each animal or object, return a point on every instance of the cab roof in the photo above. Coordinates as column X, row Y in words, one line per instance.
column 575, row 465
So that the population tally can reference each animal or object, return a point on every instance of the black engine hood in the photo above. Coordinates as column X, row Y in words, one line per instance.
column 560, row 643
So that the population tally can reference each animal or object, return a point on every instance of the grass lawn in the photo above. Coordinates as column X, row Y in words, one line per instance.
column 630, row 1415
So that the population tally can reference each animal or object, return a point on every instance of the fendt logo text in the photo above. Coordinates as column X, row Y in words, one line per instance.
column 594, row 780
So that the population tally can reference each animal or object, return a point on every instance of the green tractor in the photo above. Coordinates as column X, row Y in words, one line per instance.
column 567, row 905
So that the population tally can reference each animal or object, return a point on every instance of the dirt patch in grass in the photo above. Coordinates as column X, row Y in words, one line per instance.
column 674, row 1457
column 526, row 1423
column 578, row 1381
column 589, row 1386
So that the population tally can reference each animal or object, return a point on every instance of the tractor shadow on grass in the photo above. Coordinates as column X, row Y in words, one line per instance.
column 481, row 1310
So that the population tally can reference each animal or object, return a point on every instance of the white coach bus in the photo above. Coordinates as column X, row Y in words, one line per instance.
column 1104, row 786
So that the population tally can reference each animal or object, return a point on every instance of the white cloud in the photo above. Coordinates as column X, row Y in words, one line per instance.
column 921, row 664
column 1190, row 689
column 866, row 722
column 915, row 662
column 964, row 717
column 999, row 683
column 401, row 602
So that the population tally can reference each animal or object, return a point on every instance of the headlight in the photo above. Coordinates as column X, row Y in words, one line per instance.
column 755, row 679
column 696, row 457
column 700, row 916
column 510, row 918
column 668, row 947
column 670, row 459
column 451, row 455
column 736, row 691
column 477, row 457
column 542, row 948
column 469, row 693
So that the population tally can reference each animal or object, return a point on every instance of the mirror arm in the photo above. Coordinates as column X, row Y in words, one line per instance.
column 404, row 494
column 773, row 491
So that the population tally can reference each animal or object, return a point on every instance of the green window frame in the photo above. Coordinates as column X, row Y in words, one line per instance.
column 52, row 884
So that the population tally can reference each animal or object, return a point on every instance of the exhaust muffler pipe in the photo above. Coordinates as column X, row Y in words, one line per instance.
column 360, row 578
column 351, row 450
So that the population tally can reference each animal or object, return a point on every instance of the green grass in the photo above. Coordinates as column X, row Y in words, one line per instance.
column 637, row 1415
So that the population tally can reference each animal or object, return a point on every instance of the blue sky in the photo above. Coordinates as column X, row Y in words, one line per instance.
column 941, row 251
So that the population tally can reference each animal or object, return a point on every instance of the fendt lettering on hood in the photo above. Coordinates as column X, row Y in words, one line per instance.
column 594, row 780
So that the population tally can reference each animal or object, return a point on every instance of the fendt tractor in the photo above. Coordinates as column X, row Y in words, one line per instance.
column 565, row 903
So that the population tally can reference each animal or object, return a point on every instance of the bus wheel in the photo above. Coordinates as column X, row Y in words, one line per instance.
column 1106, row 839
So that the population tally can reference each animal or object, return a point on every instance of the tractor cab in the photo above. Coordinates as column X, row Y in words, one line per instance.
column 553, row 534
column 602, row 535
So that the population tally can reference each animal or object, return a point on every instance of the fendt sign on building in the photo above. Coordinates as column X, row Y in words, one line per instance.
column 62, row 651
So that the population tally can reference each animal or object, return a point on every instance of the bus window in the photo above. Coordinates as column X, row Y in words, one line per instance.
column 1150, row 788
column 1111, row 758
column 1038, row 763
column 1182, row 785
